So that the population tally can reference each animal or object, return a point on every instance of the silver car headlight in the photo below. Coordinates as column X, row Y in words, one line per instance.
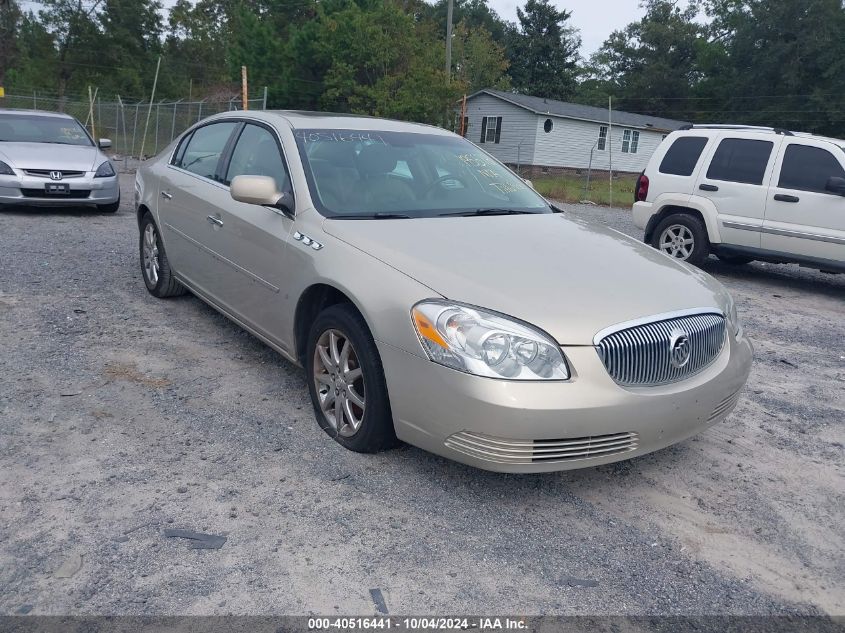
column 733, row 318
column 5, row 170
column 105, row 170
column 485, row 343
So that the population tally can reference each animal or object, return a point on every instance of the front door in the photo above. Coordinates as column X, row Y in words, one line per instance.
column 802, row 217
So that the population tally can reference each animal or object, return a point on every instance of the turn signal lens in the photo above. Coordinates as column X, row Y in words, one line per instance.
column 486, row 343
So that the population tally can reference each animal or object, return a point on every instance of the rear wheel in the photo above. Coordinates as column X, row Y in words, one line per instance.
column 346, row 381
column 683, row 237
column 155, row 267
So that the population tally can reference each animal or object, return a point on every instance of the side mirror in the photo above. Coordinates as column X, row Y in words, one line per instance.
column 260, row 190
column 528, row 182
column 104, row 143
column 836, row 185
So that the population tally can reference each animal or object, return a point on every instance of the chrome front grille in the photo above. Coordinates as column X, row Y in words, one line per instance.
column 648, row 354
column 45, row 173
column 505, row 451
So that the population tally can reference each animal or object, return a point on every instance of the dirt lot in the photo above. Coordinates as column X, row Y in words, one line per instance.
column 122, row 416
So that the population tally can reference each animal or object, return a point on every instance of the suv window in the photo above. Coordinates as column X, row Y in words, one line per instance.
column 808, row 168
column 681, row 158
column 740, row 160
column 257, row 154
column 205, row 147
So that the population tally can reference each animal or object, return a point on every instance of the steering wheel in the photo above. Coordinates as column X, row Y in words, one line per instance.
column 441, row 179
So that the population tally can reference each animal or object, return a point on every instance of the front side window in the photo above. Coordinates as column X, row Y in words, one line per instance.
column 205, row 147
column 361, row 173
column 682, row 157
column 33, row 128
column 740, row 160
column 491, row 129
column 630, row 141
column 257, row 154
column 602, row 144
column 808, row 168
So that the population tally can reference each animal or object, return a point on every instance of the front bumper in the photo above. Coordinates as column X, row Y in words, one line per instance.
column 486, row 423
column 84, row 190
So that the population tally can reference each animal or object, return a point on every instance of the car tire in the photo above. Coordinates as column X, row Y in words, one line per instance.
column 109, row 208
column 155, row 267
column 673, row 234
column 734, row 260
column 342, row 380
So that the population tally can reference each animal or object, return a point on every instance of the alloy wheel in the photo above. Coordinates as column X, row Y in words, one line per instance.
column 150, row 251
column 339, row 381
column 677, row 241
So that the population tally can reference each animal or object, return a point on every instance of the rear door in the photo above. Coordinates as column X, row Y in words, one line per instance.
column 188, row 189
column 736, row 180
column 802, row 217
column 251, row 239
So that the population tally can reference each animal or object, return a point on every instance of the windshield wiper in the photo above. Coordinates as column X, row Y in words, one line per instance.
column 380, row 215
column 492, row 211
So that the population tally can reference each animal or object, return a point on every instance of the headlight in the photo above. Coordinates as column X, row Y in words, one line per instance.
column 105, row 170
column 5, row 170
column 733, row 318
column 485, row 343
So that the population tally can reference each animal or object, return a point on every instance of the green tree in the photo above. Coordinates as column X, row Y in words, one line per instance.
column 480, row 62
column 131, row 42
column 543, row 51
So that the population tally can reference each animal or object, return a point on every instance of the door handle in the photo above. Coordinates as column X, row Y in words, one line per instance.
column 166, row 195
column 214, row 220
column 782, row 197
column 706, row 187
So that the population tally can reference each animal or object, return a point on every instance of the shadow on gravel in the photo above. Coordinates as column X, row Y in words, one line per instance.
column 69, row 212
column 782, row 276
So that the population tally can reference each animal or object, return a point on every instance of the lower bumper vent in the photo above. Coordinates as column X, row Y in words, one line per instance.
column 507, row 451
column 724, row 407
column 72, row 194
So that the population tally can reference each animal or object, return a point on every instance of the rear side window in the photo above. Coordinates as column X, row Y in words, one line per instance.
column 205, row 147
column 681, row 158
column 740, row 160
column 808, row 168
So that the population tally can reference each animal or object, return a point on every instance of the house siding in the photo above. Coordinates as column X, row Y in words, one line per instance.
column 569, row 143
column 519, row 128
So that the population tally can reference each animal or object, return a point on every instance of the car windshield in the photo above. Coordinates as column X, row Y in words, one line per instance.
column 32, row 128
column 379, row 174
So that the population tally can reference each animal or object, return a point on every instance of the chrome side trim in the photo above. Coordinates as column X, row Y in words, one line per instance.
column 784, row 232
column 665, row 316
column 218, row 256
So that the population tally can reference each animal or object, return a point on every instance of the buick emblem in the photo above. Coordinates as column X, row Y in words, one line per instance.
column 55, row 175
column 679, row 349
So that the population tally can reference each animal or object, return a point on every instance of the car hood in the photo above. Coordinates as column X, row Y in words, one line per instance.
column 49, row 156
column 565, row 276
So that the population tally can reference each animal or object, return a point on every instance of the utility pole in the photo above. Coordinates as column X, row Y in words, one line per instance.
column 149, row 110
column 449, row 42
column 244, row 91
column 610, row 147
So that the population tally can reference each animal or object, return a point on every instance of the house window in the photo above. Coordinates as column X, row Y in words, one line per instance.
column 602, row 144
column 630, row 141
column 548, row 125
column 491, row 129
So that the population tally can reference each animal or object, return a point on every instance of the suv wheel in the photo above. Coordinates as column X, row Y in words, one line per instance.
column 683, row 237
column 346, row 381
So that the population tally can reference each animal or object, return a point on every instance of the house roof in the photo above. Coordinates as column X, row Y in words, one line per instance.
column 553, row 107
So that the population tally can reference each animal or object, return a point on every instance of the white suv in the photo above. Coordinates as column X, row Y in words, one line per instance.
column 745, row 193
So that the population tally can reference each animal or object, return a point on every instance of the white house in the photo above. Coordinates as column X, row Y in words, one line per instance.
column 548, row 136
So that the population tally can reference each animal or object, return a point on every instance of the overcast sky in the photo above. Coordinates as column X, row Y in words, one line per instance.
column 596, row 18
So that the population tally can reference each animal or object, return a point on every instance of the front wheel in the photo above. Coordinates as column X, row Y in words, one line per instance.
column 683, row 237
column 109, row 208
column 346, row 381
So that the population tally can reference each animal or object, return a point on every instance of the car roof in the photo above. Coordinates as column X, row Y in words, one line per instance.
column 42, row 113
column 753, row 129
column 305, row 120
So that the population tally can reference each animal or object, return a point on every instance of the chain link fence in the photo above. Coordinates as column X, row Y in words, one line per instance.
column 124, row 122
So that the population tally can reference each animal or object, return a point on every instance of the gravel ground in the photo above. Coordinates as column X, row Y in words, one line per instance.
column 122, row 416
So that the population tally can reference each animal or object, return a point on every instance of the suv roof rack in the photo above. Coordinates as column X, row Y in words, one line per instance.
column 717, row 126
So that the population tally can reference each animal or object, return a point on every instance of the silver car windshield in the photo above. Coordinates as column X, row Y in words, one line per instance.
column 31, row 128
column 364, row 174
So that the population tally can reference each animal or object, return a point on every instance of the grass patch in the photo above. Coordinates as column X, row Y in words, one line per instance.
column 571, row 189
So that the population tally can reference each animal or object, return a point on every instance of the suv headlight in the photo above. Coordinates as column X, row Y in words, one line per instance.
column 486, row 343
column 733, row 318
column 105, row 170
column 5, row 170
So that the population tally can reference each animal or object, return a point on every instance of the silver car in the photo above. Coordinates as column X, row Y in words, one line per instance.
column 48, row 159
column 432, row 296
